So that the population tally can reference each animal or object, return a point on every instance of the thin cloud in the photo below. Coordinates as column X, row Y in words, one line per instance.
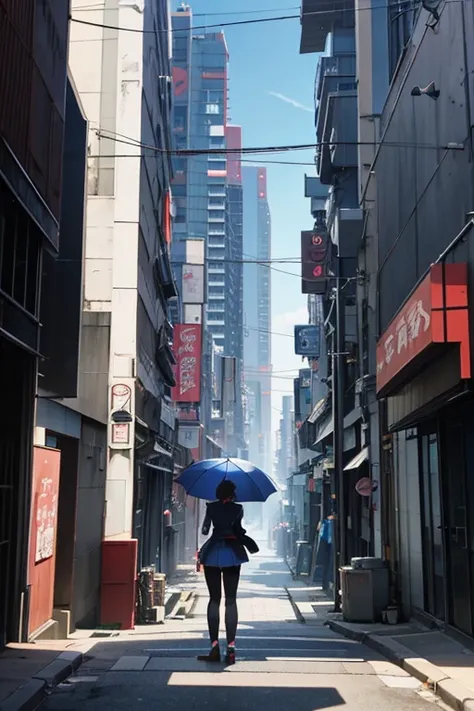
column 288, row 100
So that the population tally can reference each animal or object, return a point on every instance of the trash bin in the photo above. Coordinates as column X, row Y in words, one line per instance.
column 303, row 558
column 365, row 589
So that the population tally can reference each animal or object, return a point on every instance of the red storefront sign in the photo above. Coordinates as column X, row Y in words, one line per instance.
column 180, row 81
column 435, row 313
column 187, row 350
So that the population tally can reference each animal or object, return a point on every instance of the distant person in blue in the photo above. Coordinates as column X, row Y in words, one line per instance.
column 222, row 555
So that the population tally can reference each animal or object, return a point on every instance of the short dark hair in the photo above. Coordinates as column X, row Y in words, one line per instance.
column 225, row 490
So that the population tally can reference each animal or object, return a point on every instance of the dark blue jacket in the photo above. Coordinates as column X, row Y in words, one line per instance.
column 226, row 520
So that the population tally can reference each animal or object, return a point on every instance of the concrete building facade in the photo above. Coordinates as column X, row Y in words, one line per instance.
column 33, row 87
column 257, row 313
column 124, row 81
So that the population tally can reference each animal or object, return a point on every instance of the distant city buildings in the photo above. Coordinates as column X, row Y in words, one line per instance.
column 257, row 313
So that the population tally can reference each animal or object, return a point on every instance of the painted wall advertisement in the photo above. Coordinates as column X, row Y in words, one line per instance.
column 44, row 527
column 46, row 503
column 187, row 351
column 193, row 284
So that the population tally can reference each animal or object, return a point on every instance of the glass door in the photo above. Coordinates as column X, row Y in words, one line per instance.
column 458, row 461
column 432, row 527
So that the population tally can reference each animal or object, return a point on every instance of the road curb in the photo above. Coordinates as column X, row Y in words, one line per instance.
column 298, row 614
column 451, row 691
column 30, row 695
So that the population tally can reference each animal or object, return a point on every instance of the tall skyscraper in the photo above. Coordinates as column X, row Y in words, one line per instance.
column 257, row 314
column 207, row 193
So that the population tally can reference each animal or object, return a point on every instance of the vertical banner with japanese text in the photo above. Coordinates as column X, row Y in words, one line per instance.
column 187, row 351
column 44, row 526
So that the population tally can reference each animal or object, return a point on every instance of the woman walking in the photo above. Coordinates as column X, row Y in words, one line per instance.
column 222, row 555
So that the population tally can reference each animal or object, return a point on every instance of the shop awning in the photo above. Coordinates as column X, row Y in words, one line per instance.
column 358, row 460
column 161, row 450
column 158, row 468
column 317, row 410
column 327, row 430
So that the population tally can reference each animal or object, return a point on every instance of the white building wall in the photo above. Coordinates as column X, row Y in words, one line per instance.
column 110, row 84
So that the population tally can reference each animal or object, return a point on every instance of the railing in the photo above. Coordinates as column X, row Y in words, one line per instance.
column 342, row 64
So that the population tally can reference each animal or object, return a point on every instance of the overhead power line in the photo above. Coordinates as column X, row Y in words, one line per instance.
column 246, row 12
column 101, row 6
column 258, row 20
column 264, row 150
column 272, row 333
column 193, row 29
column 254, row 162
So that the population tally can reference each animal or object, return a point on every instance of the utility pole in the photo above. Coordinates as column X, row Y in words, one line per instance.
column 338, row 389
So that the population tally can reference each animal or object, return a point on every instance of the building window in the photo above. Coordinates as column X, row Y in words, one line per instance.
column 180, row 214
column 401, row 20
column 217, row 164
column 19, row 253
column 216, row 265
column 179, row 189
column 217, row 142
column 212, row 108
column 217, row 215
column 215, row 253
column 215, row 315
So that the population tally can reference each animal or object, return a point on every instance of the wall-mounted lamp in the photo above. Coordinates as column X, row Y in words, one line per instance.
column 432, row 6
column 429, row 90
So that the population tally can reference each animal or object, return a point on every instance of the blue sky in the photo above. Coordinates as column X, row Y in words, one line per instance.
column 264, row 62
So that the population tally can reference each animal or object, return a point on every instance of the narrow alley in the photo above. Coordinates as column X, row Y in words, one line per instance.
column 281, row 663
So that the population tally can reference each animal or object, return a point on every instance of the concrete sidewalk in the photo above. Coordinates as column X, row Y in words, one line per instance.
column 431, row 656
column 29, row 671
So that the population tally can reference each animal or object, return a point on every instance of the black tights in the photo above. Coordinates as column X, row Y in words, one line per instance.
column 231, row 582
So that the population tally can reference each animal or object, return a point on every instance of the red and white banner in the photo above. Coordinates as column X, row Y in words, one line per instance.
column 187, row 351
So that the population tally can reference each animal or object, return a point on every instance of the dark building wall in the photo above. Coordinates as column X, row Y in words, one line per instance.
column 89, row 524
column 154, row 269
column 33, row 70
column 424, row 190
column 61, row 288
column 33, row 66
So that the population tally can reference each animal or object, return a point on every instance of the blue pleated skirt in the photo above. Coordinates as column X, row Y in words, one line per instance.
column 222, row 555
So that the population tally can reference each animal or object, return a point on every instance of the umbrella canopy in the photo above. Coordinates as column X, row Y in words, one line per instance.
column 202, row 478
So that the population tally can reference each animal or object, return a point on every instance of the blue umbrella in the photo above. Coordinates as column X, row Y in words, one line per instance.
column 202, row 478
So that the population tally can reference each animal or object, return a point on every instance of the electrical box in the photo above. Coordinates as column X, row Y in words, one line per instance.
column 365, row 590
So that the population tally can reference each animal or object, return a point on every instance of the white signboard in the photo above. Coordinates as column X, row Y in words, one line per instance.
column 121, row 433
column 193, row 284
column 192, row 313
column 195, row 251
column 189, row 437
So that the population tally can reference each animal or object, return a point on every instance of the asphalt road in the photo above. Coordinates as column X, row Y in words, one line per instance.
column 282, row 664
